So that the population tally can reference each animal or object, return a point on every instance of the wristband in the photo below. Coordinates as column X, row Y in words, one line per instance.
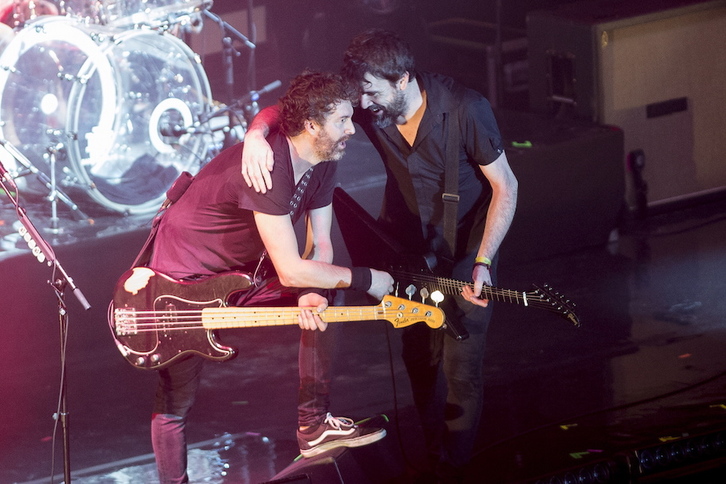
column 361, row 278
column 483, row 261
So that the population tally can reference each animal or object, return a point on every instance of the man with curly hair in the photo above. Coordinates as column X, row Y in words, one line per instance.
column 220, row 224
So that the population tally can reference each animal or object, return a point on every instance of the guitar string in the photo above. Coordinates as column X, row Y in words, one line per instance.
column 453, row 287
column 145, row 321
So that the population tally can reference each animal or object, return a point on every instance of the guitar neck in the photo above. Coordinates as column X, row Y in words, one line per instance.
column 453, row 287
column 252, row 317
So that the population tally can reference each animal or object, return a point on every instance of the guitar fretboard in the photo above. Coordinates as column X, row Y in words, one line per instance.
column 453, row 287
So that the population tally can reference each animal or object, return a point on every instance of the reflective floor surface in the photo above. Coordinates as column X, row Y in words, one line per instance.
column 634, row 395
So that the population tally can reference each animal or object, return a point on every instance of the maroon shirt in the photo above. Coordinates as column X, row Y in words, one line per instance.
column 211, row 228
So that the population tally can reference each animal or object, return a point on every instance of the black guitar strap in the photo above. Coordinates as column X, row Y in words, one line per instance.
column 173, row 194
column 450, row 196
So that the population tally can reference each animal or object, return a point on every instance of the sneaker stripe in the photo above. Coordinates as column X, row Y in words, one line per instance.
column 329, row 433
column 333, row 444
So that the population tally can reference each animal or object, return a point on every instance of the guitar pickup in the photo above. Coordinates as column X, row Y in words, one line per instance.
column 125, row 321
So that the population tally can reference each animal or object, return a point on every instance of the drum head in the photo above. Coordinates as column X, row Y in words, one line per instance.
column 112, row 106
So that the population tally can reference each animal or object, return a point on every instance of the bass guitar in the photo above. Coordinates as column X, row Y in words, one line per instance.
column 156, row 319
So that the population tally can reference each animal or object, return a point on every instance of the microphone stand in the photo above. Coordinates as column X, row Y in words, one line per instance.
column 44, row 253
column 229, row 53
column 55, row 193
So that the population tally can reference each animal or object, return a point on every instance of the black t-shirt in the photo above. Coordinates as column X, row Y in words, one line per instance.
column 211, row 228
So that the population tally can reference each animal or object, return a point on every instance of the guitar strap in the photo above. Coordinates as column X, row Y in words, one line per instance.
column 450, row 196
column 173, row 194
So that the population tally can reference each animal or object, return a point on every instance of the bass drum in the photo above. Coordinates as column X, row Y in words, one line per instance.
column 110, row 107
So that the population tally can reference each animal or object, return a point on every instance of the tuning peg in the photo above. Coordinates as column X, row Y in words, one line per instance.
column 410, row 291
column 424, row 294
column 437, row 297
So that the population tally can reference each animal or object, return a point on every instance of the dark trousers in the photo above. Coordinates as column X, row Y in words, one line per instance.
column 179, row 382
column 447, row 380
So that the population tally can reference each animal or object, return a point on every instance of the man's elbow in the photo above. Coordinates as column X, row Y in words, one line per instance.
column 290, row 279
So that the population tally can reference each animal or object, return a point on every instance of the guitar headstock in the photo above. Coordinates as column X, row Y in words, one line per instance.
column 545, row 297
column 404, row 312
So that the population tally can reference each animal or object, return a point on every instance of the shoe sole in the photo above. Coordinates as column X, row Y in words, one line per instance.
column 334, row 444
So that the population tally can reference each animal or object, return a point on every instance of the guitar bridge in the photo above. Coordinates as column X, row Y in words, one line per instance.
column 125, row 321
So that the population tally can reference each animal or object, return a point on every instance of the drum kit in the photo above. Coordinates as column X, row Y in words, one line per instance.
column 105, row 103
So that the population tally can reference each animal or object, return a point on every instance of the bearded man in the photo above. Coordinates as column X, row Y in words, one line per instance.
column 220, row 224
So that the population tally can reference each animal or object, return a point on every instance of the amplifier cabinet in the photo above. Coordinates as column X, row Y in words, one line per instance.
column 654, row 68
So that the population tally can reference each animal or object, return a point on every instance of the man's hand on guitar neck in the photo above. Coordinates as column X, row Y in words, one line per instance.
column 311, row 305
column 481, row 277
column 381, row 284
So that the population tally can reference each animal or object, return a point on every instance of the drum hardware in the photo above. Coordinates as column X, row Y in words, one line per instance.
column 240, row 111
column 156, row 14
column 228, row 55
column 54, row 193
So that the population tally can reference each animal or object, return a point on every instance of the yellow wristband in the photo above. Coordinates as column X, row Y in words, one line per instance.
column 483, row 260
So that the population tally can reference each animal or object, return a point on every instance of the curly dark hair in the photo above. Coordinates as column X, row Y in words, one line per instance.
column 379, row 52
column 312, row 95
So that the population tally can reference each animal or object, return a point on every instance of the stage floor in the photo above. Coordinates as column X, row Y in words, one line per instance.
column 644, row 370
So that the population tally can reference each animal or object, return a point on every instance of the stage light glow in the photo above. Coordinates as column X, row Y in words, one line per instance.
column 49, row 104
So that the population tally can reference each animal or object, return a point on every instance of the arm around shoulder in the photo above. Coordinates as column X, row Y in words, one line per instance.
column 257, row 156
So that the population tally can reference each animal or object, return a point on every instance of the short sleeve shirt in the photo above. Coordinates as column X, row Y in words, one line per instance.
column 412, row 207
column 212, row 229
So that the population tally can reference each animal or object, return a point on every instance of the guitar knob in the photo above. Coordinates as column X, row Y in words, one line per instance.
column 155, row 358
column 140, row 361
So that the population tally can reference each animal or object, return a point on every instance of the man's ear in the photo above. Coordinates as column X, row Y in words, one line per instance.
column 403, row 81
column 311, row 127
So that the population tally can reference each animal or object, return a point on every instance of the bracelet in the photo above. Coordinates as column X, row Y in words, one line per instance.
column 361, row 278
column 483, row 265
column 483, row 260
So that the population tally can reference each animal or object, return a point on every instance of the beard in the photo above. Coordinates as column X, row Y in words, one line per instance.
column 328, row 149
column 385, row 116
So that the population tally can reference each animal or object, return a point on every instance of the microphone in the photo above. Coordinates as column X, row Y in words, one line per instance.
column 175, row 131
column 254, row 96
column 3, row 172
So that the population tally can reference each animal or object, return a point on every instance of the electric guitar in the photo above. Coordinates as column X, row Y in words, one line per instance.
column 370, row 246
column 541, row 297
column 156, row 319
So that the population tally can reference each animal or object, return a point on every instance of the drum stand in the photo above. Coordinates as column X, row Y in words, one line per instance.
column 54, row 193
column 60, row 280
column 248, row 103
